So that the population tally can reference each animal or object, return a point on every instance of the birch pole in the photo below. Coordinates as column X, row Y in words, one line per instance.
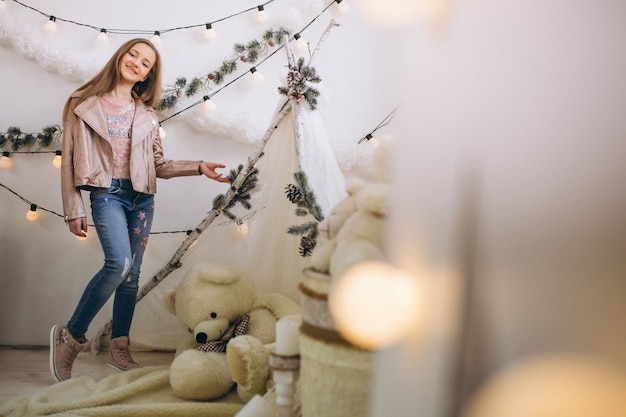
column 175, row 262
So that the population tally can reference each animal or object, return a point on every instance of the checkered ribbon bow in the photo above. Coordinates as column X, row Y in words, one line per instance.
column 236, row 328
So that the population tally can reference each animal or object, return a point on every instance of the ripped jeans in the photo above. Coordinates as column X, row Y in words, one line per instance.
column 123, row 218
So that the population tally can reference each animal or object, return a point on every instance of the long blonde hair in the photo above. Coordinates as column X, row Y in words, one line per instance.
column 148, row 91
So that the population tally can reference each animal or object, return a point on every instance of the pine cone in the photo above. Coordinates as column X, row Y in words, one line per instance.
column 307, row 244
column 293, row 192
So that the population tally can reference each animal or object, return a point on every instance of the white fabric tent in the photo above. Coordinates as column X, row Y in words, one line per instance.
column 268, row 254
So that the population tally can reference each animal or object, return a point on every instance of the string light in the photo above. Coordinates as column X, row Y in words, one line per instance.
column 34, row 207
column 50, row 26
column 102, row 37
column 262, row 15
column 371, row 139
column 302, row 43
column 5, row 161
column 146, row 32
column 56, row 161
column 370, row 136
column 242, row 227
column 82, row 237
column 342, row 6
column 257, row 77
column 156, row 39
column 162, row 133
column 209, row 33
column 32, row 214
column 209, row 105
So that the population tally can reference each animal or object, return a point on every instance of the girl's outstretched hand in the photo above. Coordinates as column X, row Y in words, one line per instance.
column 208, row 169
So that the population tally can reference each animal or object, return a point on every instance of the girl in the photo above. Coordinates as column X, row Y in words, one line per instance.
column 111, row 148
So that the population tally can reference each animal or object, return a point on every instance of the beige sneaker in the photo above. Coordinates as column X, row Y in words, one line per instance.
column 119, row 354
column 63, row 351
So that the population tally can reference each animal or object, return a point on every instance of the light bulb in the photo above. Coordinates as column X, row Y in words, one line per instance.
column 162, row 133
column 102, row 37
column 242, row 227
column 5, row 161
column 342, row 6
column 262, row 15
column 50, row 26
column 375, row 304
column 82, row 237
column 209, row 33
column 257, row 77
column 209, row 105
column 32, row 214
column 56, row 162
column 301, row 43
column 156, row 39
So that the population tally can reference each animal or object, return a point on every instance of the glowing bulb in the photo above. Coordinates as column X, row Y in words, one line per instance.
column 102, row 37
column 209, row 105
column 56, row 162
column 209, row 33
column 82, row 237
column 32, row 214
column 242, row 227
column 342, row 6
column 257, row 77
column 162, row 133
column 375, row 305
column 156, row 39
column 5, row 161
column 50, row 26
column 262, row 15
column 371, row 139
column 301, row 43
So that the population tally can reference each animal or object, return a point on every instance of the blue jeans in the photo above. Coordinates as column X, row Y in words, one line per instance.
column 123, row 218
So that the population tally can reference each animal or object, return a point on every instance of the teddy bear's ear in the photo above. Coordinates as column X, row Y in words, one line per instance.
column 169, row 300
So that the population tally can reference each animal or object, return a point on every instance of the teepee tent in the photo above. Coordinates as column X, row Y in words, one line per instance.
column 294, row 153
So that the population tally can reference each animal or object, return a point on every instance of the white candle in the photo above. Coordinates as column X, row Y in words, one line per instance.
column 288, row 335
column 256, row 407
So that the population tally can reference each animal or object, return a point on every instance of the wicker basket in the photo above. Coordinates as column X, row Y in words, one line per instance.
column 335, row 376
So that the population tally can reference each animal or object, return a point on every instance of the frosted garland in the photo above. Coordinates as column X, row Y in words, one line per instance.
column 30, row 44
column 225, row 123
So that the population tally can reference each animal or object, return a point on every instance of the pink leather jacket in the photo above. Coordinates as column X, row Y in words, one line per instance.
column 88, row 155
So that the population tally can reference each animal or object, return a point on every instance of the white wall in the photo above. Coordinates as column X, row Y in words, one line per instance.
column 44, row 268
column 527, row 95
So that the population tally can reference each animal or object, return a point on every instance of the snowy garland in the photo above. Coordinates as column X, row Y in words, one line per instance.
column 16, row 140
column 249, row 53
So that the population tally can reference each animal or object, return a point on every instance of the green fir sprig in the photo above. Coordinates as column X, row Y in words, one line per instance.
column 16, row 140
column 303, row 197
column 242, row 195
column 248, row 53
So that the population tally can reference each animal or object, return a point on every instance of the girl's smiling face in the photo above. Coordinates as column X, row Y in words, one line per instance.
column 136, row 64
